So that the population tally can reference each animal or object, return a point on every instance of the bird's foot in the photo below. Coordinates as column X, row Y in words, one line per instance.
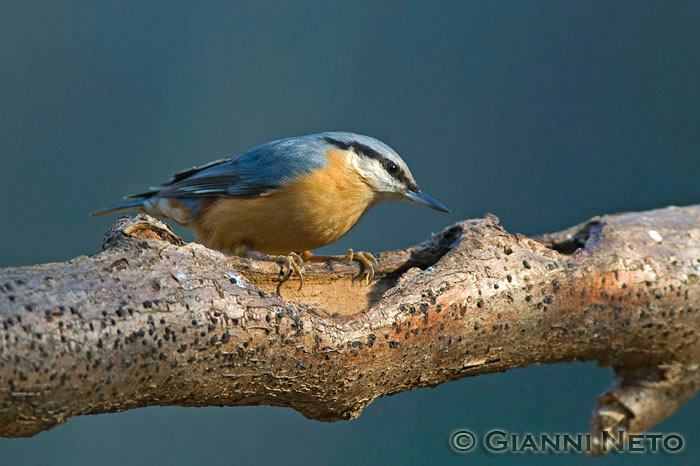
column 368, row 261
column 291, row 263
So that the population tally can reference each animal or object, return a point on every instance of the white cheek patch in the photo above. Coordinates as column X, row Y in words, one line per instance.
column 369, row 169
column 374, row 173
column 168, row 208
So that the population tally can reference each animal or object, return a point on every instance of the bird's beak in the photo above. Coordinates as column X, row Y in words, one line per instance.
column 423, row 199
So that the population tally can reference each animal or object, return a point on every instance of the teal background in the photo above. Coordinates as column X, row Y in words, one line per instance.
column 544, row 113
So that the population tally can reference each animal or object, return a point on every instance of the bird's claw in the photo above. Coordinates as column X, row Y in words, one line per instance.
column 293, row 263
column 365, row 258
column 368, row 261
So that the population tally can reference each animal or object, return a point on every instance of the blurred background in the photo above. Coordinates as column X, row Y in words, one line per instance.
column 543, row 113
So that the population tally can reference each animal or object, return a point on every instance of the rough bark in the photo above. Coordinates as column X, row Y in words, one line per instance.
column 152, row 321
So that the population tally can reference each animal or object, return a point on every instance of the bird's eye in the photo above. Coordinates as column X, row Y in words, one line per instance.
column 391, row 168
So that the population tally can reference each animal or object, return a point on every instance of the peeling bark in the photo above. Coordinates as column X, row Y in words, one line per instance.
column 152, row 321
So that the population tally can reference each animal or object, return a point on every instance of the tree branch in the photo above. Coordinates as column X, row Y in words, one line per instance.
column 152, row 321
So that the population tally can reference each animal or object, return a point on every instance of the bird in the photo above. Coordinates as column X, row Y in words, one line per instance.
column 284, row 198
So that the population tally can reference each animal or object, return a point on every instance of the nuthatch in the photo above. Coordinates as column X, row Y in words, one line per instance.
column 281, row 199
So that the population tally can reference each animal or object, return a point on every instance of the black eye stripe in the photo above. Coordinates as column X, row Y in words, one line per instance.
column 397, row 172
column 357, row 147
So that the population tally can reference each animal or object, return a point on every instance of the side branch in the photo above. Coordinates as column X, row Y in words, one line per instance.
column 152, row 321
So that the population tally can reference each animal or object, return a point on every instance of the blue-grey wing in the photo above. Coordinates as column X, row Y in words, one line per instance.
column 251, row 174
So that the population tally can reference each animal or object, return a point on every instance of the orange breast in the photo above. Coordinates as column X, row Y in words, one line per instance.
column 311, row 211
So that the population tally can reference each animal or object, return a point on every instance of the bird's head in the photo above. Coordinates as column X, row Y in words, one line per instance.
column 382, row 169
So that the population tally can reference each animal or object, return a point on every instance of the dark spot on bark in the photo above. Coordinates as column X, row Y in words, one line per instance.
column 394, row 344
column 579, row 240
column 370, row 340
column 526, row 264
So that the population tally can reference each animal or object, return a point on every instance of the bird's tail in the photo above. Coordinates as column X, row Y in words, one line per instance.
column 131, row 205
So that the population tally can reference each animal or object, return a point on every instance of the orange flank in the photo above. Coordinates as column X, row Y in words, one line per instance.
column 311, row 211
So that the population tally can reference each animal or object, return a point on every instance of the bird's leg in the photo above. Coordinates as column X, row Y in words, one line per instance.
column 292, row 262
column 366, row 258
